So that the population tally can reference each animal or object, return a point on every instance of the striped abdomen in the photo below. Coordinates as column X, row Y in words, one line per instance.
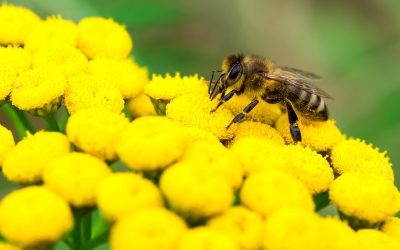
column 311, row 106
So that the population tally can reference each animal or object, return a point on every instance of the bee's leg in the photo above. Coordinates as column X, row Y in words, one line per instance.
column 245, row 111
column 224, row 98
column 293, row 120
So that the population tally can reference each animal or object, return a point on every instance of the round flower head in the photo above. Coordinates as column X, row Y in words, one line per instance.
column 258, row 130
column 320, row 136
column 391, row 227
column 7, row 81
column 62, row 57
column 150, row 229
column 168, row 87
column 6, row 142
column 89, row 91
column 151, row 143
column 15, row 58
column 193, row 193
column 193, row 110
column 5, row 246
column 194, row 134
column 26, row 162
column 354, row 155
column 16, row 23
column 39, row 90
column 123, row 193
column 141, row 105
column 263, row 112
column 75, row 177
column 371, row 239
column 266, row 193
column 96, row 130
column 54, row 29
column 34, row 216
column 126, row 75
column 100, row 37
column 206, row 238
column 243, row 225
column 365, row 198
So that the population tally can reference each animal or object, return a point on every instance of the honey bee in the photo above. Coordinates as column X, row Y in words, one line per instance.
column 261, row 80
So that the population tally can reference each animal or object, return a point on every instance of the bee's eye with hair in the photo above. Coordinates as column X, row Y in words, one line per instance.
column 235, row 72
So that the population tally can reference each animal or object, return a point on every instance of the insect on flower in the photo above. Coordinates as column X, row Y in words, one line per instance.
column 260, row 79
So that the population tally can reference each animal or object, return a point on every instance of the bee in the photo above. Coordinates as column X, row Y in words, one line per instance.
column 262, row 80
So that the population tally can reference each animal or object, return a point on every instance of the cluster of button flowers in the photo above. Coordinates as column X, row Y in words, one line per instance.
column 186, row 182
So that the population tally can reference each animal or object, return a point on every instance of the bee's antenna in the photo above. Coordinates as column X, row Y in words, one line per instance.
column 211, row 81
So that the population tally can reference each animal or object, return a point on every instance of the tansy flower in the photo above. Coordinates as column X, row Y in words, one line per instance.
column 266, row 193
column 258, row 130
column 243, row 225
column 5, row 246
column 60, row 56
column 168, row 87
column 194, row 134
column 365, row 198
column 75, row 177
column 206, row 238
column 7, row 80
column 150, row 228
column 195, row 194
column 263, row 112
column 122, row 193
column 100, row 37
column 16, row 23
column 320, row 136
column 26, row 162
column 129, row 77
column 39, row 90
column 193, row 110
column 96, row 130
column 151, row 143
column 54, row 29
column 141, row 105
column 371, row 239
column 6, row 142
column 15, row 58
column 34, row 216
column 355, row 155
column 89, row 91
column 391, row 227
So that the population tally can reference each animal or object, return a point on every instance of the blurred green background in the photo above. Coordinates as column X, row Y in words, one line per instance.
column 354, row 45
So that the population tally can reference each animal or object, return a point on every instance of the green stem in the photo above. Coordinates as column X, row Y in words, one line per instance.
column 100, row 239
column 18, row 119
column 51, row 123
column 76, row 232
column 63, row 121
column 86, row 229
column 321, row 201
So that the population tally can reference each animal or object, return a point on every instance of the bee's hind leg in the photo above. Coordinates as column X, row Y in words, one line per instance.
column 245, row 111
column 293, row 121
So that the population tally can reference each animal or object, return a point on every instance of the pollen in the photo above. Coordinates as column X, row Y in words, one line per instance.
column 252, row 129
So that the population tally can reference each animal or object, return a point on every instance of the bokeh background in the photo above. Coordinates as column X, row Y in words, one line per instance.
column 353, row 44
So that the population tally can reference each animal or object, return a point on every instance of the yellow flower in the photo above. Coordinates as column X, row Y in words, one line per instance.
column 34, row 216
column 214, row 159
column 6, row 142
column 5, row 246
column 150, row 229
column 168, row 87
column 194, row 134
column 193, row 193
column 320, row 136
column 126, row 75
column 100, row 37
column 193, row 110
column 268, row 192
column 54, row 29
column 391, row 227
column 39, row 90
column 7, row 81
column 258, row 130
column 151, row 143
column 354, row 155
column 206, row 238
column 122, row 193
column 96, row 130
column 16, row 23
column 364, row 197
column 141, row 105
column 26, row 162
column 15, row 58
column 62, row 57
column 243, row 225
column 371, row 239
column 75, row 177
column 263, row 112
column 89, row 91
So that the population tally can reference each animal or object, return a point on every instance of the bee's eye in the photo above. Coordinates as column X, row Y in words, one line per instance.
column 236, row 71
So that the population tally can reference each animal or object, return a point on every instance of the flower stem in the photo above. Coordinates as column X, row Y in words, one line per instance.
column 51, row 122
column 86, row 229
column 18, row 119
column 321, row 200
column 63, row 121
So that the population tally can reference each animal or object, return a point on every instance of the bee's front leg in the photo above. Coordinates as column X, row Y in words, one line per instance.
column 293, row 121
column 245, row 111
column 224, row 98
